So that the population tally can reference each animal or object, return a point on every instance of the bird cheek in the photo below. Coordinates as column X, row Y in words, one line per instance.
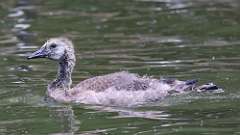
column 54, row 57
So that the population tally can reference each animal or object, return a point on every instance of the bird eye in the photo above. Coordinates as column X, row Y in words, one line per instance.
column 53, row 46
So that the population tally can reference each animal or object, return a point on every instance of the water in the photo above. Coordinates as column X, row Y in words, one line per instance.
column 171, row 38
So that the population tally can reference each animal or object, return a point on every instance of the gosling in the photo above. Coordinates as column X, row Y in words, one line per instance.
column 115, row 89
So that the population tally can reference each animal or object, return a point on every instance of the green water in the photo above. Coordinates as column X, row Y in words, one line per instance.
column 183, row 39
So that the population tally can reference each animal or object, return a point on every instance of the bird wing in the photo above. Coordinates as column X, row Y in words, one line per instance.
column 119, row 80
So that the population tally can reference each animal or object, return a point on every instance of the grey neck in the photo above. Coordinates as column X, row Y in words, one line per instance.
column 64, row 80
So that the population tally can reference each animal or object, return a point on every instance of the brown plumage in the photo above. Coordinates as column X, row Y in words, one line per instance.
column 120, row 88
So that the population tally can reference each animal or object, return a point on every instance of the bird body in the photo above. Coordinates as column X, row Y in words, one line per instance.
column 120, row 88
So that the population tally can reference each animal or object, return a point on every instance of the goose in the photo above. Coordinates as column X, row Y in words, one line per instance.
column 119, row 88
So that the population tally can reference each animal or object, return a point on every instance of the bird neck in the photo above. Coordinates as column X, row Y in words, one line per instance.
column 65, row 68
column 65, row 72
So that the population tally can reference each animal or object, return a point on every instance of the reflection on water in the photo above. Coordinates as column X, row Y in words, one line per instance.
column 173, row 38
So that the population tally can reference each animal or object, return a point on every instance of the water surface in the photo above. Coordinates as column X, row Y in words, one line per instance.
column 163, row 38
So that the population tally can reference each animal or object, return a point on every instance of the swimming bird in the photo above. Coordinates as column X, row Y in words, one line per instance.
column 120, row 88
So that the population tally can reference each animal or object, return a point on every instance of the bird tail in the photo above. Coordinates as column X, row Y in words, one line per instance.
column 209, row 87
column 191, row 85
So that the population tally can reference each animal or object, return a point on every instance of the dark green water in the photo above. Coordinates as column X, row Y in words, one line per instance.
column 174, row 38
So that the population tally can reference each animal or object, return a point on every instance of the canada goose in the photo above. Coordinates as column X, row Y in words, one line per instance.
column 120, row 88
